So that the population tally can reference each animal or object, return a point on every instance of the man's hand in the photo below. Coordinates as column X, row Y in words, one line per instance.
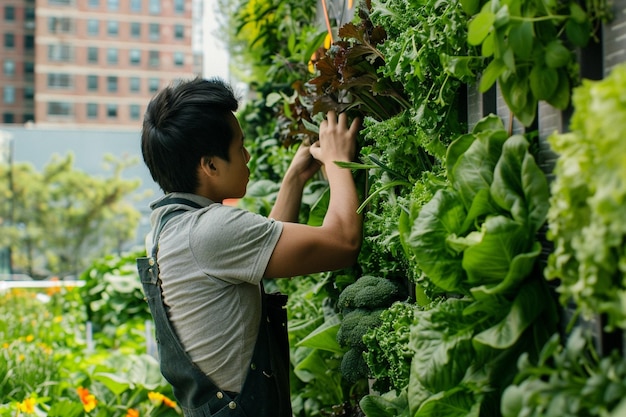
column 337, row 140
column 303, row 165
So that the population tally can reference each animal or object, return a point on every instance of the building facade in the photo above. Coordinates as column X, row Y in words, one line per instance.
column 92, row 63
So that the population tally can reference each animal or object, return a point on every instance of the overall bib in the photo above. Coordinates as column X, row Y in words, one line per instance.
column 265, row 392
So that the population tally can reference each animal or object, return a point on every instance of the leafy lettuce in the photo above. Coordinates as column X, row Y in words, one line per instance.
column 476, row 239
column 587, row 217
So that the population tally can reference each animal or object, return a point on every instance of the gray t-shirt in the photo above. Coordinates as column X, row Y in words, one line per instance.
column 211, row 263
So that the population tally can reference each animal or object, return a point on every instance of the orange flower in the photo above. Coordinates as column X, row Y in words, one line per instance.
column 157, row 399
column 89, row 400
column 26, row 406
column 132, row 413
column 169, row 402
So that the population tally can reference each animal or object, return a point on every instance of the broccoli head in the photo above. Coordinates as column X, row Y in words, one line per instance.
column 353, row 366
column 370, row 292
column 355, row 324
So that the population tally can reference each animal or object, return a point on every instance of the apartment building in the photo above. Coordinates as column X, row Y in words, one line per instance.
column 92, row 63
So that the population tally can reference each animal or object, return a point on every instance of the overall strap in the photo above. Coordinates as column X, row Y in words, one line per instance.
column 177, row 200
column 168, row 216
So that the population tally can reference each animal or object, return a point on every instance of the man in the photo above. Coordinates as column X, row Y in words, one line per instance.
column 204, row 279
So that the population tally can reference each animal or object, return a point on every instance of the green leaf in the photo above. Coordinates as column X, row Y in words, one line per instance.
column 457, row 402
column 473, row 170
column 489, row 122
column 385, row 405
column 521, row 39
column 470, row 6
column 442, row 216
column 556, row 54
column 319, row 209
column 577, row 13
column 519, row 185
column 502, row 17
column 66, row 408
column 479, row 27
column 482, row 205
column 526, row 307
column 457, row 148
column 457, row 66
column 578, row 33
column 324, row 337
column 511, row 88
column 561, row 97
column 543, row 81
column 487, row 48
column 442, row 341
column 145, row 372
column 489, row 76
column 489, row 261
column 115, row 383
column 521, row 266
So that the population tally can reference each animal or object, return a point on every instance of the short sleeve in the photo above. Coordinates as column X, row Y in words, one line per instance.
column 233, row 244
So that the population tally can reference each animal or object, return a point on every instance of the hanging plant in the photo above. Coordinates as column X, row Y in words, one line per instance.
column 530, row 48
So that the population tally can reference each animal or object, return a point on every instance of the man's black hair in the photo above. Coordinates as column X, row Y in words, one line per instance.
column 183, row 123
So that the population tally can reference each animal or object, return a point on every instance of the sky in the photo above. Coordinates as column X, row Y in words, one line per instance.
column 216, row 59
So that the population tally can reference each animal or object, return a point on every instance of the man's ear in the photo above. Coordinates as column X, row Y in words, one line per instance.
column 207, row 166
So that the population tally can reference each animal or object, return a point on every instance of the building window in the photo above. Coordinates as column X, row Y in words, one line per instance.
column 29, row 42
column 92, row 110
column 155, row 31
column 179, row 59
column 113, row 4
column 93, row 27
column 60, row 2
column 59, row 24
column 153, row 58
column 60, row 81
column 29, row 15
column 29, row 92
column 179, row 6
column 113, row 28
column 153, row 85
column 112, row 111
column 135, row 5
column 59, row 108
column 155, row 6
column 63, row 53
column 92, row 82
column 112, row 84
column 9, row 13
column 179, row 31
column 29, row 117
column 8, row 94
column 134, row 112
column 112, row 55
column 135, row 84
column 94, row 3
column 9, row 40
column 135, row 29
column 8, row 118
column 135, row 56
column 9, row 67
column 29, row 67
column 92, row 55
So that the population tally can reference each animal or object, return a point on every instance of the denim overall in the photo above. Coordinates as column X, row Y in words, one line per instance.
column 265, row 392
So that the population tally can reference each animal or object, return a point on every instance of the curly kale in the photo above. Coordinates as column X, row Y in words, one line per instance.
column 388, row 355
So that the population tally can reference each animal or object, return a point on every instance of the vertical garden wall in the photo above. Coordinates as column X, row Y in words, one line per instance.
column 491, row 276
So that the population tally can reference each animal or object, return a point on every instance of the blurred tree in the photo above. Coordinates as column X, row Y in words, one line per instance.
column 59, row 220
